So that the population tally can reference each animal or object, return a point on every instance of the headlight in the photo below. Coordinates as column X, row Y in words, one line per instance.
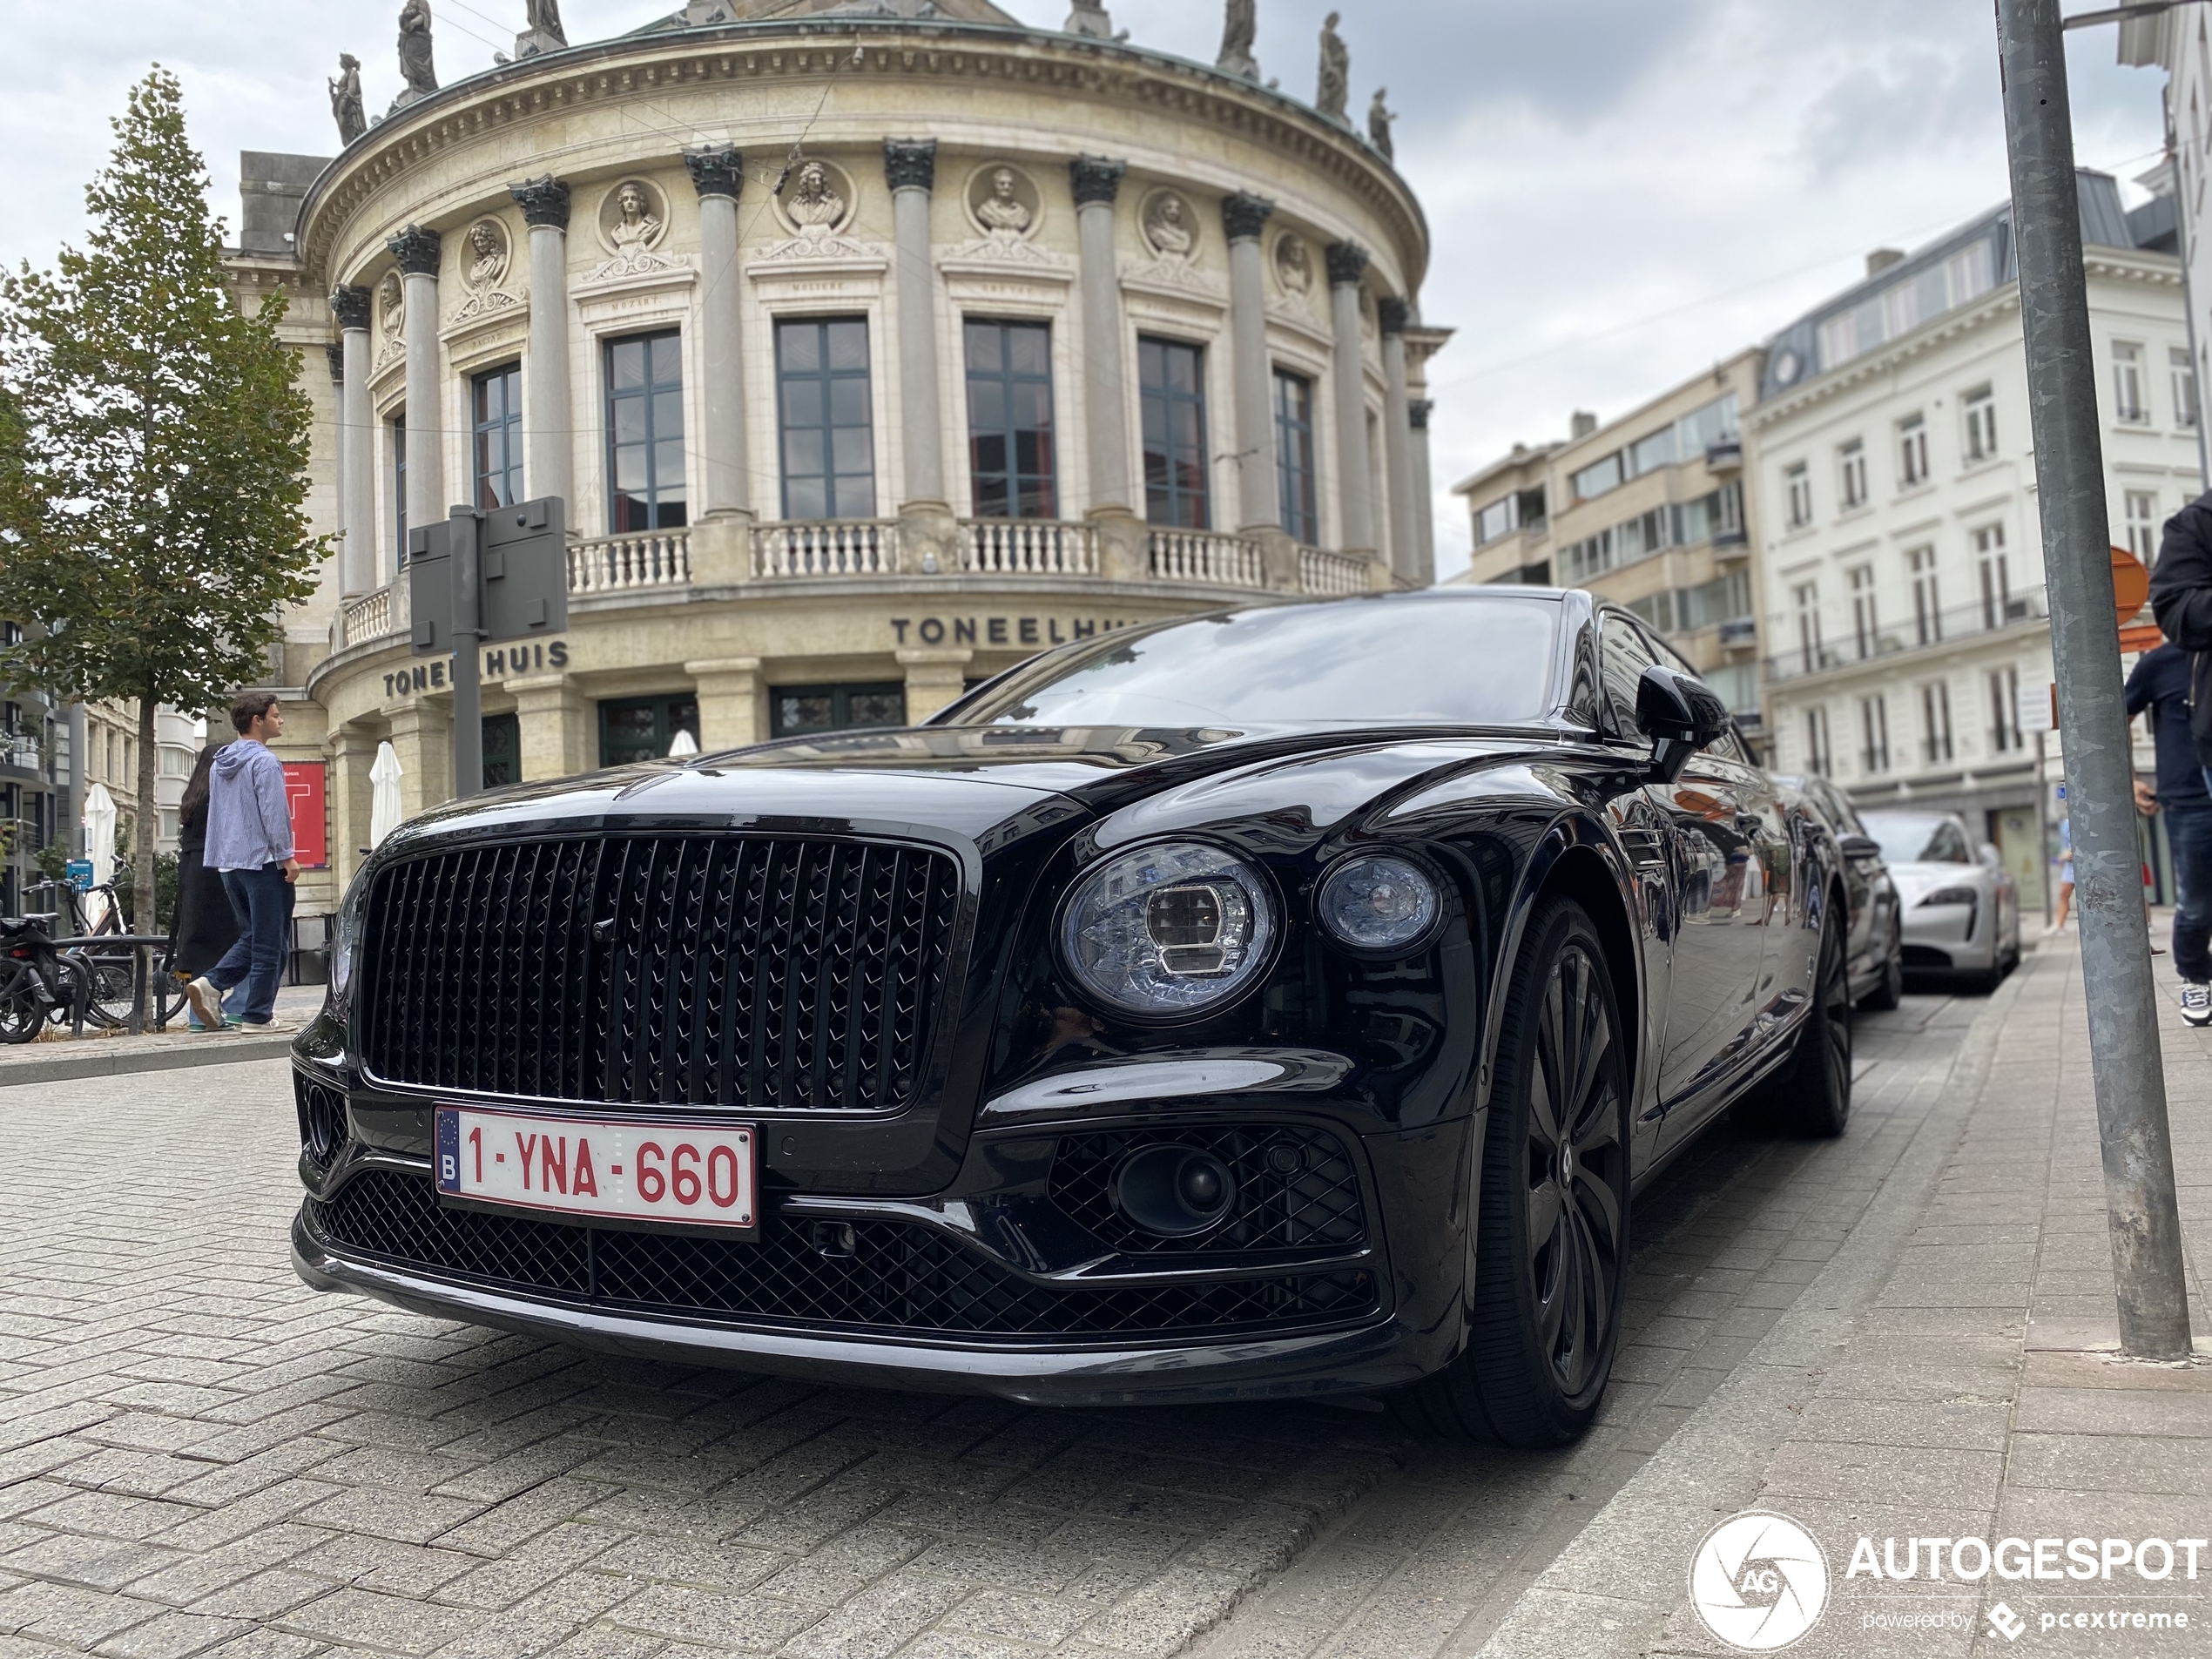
column 345, row 937
column 1172, row 928
column 1378, row 902
column 1953, row 895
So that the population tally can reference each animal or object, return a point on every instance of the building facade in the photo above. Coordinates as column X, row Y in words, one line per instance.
column 1902, row 563
column 1647, row 511
column 846, row 416
column 35, row 762
column 2179, row 41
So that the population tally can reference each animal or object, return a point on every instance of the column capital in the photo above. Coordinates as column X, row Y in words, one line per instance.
column 351, row 307
column 1347, row 263
column 1095, row 179
column 1393, row 314
column 417, row 250
column 1417, row 412
column 1245, row 214
column 544, row 200
column 910, row 164
column 717, row 170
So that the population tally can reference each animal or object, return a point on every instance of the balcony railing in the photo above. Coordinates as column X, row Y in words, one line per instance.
column 1914, row 635
column 850, row 547
column 1207, row 556
column 1330, row 574
column 1739, row 631
column 643, row 560
column 1027, row 546
column 368, row 615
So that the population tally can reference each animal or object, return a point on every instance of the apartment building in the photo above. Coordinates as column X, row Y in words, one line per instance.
column 110, row 759
column 1647, row 511
column 1901, row 565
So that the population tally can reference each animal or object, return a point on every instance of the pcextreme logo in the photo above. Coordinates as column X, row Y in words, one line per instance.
column 1759, row 1582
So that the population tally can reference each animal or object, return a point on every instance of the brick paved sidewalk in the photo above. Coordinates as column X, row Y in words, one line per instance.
column 1951, row 1374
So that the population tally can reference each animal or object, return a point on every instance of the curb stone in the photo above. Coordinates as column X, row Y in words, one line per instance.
column 117, row 1058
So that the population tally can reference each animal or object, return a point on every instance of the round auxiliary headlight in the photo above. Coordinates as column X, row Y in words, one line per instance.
column 1168, row 929
column 1379, row 902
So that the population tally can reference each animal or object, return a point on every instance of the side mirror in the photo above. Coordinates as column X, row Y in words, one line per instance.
column 1858, row 848
column 1680, row 714
column 1991, row 856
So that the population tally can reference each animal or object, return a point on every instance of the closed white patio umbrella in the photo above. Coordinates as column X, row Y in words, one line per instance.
column 682, row 745
column 99, row 845
column 384, row 809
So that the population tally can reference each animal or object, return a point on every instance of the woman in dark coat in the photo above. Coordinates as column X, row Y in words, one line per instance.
column 204, row 926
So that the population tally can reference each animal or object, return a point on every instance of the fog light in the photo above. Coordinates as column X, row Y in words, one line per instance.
column 1174, row 1189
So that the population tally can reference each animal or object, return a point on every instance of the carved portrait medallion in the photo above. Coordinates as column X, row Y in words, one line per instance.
column 1293, row 265
column 817, row 201
column 1169, row 225
column 488, row 256
column 1003, row 201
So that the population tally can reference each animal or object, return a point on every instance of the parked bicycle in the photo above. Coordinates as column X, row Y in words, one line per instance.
column 38, row 984
column 110, row 970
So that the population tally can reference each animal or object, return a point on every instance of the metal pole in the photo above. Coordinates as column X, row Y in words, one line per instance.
column 468, row 659
column 2140, row 1209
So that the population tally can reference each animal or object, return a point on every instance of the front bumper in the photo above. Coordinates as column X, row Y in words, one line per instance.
column 1960, row 937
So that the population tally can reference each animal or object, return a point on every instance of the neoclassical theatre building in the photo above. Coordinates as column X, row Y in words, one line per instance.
column 870, row 355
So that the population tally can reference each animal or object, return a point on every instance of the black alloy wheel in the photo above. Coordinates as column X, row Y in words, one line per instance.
column 1811, row 1095
column 1887, row 995
column 1552, row 1223
column 22, row 1016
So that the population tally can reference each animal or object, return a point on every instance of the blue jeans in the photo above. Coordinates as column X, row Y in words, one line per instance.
column 262, row 901
column 2188, row 832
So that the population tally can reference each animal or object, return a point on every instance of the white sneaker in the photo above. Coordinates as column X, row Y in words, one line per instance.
column 2196, row 1003
column 207, row 1002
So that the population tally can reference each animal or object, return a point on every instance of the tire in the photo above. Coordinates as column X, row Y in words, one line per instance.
column 21, row 1018
column 1811, row 1095
column 112, row 990
column 1886, row 995
column 1549, row 1276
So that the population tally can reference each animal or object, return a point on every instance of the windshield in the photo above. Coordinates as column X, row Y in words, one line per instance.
column 1462, row 660
column 1918, row 837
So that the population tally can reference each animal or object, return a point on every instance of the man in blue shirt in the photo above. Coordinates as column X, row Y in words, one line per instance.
column 2160, row 683
column 249, row 839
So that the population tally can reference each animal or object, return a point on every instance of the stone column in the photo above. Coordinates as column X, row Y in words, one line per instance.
column 1098, row 181
column 1355, row 498
column 357, row 562
column 549, row 425
column 352, row 752
column 732, row 702
column 935, row 677
column 417, row 251
column 925, row 523
column 1397, row 446
column 1259, row 485
column 422, row 737
column 553, row 724
column 1425, row 516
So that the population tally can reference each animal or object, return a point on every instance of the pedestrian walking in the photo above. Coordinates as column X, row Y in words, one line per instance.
column 2160, row 683
column 205, row 927
column 249, row 840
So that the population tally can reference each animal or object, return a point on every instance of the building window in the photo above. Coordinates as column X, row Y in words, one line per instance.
column 1599, row 477
column 2005, row 711
column 1295, row 475
column 1818, row 761
column 1806, row 599
column 2142, row 507
column 1981, row 424
column 1994, row 572
column 1927, row 601
column 399, row 485
column 502, row 750
column 1851, row 460
column 1798, row 478
column 795, row 710
column 1009, row 418
column 2183, row 375
column 1912, row 452
column 2127, row 382
column 499, row 437
column 1172, row 397
column 1874, row 734
column 645, row 434
column 825, row 410
column 640, row 728
column 1935, row 722
column 1865, row 625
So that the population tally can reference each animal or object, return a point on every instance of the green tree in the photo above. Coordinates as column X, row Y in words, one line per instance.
column 155, row 529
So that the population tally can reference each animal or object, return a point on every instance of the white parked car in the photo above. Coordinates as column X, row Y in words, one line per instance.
column 1961, row 908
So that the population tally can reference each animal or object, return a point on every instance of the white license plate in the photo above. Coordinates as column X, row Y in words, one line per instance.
column 700, row 1175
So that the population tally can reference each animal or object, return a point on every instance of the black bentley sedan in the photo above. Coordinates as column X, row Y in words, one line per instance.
column 1282, row 1001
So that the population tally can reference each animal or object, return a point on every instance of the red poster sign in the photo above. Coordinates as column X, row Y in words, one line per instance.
column 303, row 785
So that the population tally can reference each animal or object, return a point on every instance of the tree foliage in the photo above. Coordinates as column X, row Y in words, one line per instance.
column 153, row 450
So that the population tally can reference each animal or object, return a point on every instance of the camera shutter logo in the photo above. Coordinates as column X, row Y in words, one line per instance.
column 1758, row 1582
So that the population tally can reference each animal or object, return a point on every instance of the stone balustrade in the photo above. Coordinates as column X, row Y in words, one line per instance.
column 640, row 560
column 858, row 547
column 1028, row 547
column 1330, row 574
column 1208, row 557
column 369, row 616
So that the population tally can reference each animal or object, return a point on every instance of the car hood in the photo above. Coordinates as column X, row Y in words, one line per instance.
column 1915, row 881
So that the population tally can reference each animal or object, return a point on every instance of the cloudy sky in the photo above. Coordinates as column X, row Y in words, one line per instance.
column 1621, row 192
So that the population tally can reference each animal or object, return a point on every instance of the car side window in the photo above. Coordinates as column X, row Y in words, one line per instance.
column 1948, row 845
column 1625, row 654
column 1582, row 695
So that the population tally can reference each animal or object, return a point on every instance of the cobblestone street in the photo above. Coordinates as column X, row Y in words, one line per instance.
column 197, row 1453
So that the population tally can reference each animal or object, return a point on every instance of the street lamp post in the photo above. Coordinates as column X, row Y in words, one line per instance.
column 2139, row 1201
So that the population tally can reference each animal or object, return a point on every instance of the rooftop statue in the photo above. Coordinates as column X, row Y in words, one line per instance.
column 416, row 68
column 545, row 19
column 1379, row 116
column 345, row 98
column 1336, row 73
column 1238, row 31
column 1090, row 17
